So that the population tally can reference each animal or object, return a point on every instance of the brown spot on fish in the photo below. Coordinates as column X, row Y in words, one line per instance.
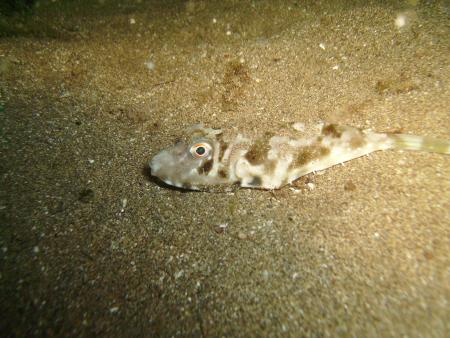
column 309, row 153
column 206, row 167
column 270, row 166
column 223, row 173
column 332, row 130
column 357, row 141
column 257, row 153
column 223, row 148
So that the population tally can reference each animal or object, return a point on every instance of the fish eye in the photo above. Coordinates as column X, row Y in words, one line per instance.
column 200, row 150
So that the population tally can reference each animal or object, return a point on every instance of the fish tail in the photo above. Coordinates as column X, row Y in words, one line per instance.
column 419, row 143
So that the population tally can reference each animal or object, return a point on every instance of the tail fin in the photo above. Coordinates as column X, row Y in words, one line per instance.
column 412, row 142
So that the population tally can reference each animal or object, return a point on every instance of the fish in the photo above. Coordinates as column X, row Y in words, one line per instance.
column 206, row 158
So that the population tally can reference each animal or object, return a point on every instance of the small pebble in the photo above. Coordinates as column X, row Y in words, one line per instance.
column 178, row 274
column 299, row 126
column 295, row 191
column 310, row 186
column 223, row 225
column 124, row 204
column 400, row 21
column 242, row 235
column 150, row 65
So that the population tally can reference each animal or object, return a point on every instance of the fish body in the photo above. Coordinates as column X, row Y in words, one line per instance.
column 207, row 157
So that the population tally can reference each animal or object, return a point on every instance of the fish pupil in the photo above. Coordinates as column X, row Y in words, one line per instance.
column 200, row 150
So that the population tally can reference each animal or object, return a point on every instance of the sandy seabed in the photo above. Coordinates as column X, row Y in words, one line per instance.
column 90, row 245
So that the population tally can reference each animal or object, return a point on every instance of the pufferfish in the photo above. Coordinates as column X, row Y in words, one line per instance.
column 207, row 158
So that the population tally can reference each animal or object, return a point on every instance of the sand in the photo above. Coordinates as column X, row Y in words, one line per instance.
column 91, row 245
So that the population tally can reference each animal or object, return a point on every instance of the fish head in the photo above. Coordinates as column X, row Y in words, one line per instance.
column 190, row 163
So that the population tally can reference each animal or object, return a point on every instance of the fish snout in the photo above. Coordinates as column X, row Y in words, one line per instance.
column 163, row 166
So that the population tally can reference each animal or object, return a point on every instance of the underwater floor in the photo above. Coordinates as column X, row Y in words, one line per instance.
column 91, row 245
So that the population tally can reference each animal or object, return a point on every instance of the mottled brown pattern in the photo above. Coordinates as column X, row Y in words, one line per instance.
column 357, row 141
column 257, row 153
column 223, row 173
column 206, row 167
column 269, row 166
column 309, row 153
column 332, row 130
column 223, row 148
